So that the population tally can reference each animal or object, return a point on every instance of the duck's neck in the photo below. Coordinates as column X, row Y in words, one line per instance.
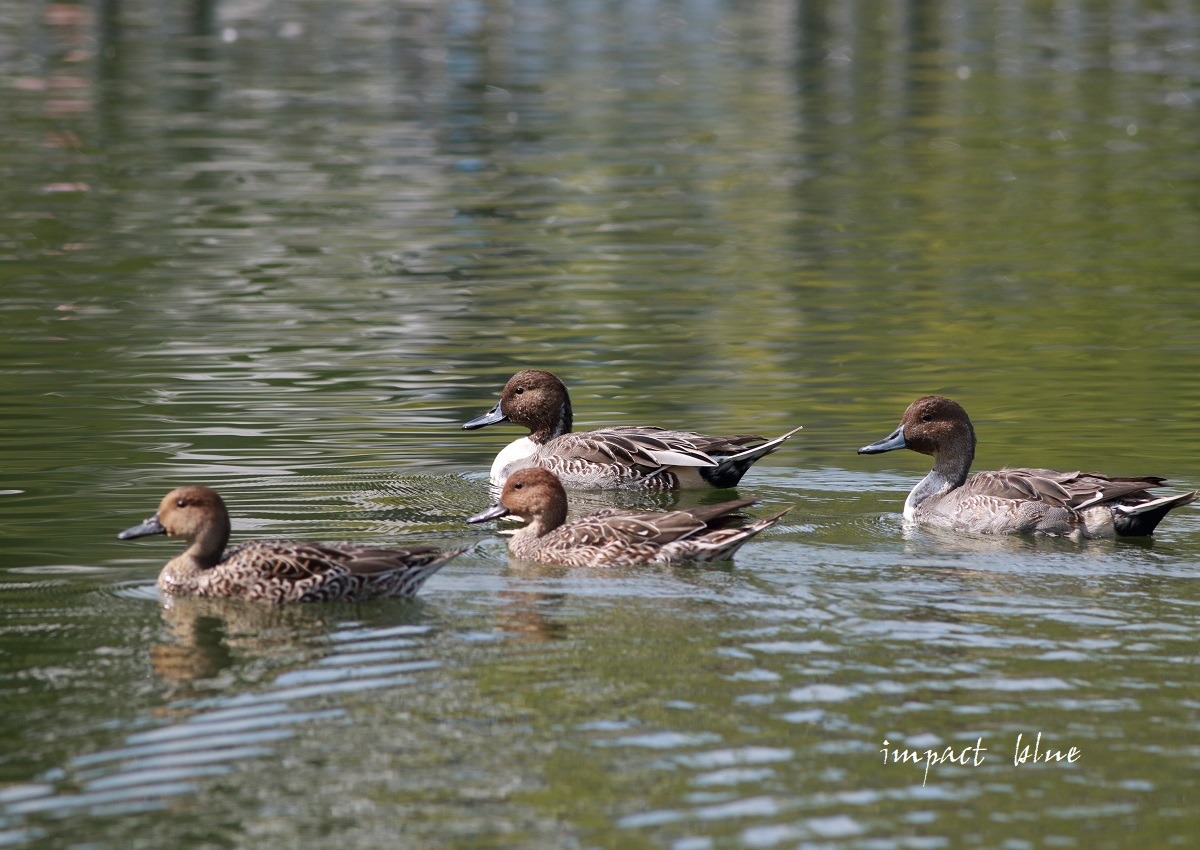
column 953, row 462
column 524, row 541
column 561, row 426
column 206, row 548
column 554, row 515
column 951, row 466
column 186, row 572
column 931, row 486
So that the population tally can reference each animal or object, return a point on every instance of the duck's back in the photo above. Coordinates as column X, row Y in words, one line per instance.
column 642, row 457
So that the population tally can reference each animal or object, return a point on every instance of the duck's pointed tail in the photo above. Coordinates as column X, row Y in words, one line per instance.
column 730, row 469
column 1141, row 519
column 414, row 577
column 722, row 545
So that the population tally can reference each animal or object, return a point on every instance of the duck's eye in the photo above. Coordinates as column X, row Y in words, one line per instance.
column 520, row 390
column 518, row 486
column 181, row 503
column 926, row 417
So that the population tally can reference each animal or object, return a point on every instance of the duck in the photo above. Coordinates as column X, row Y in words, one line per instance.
column 1079, row 505
column 615, row 537
column 276, row 571
column 626, row 456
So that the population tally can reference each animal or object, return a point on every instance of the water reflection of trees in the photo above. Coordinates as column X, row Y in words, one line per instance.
column 783, row 182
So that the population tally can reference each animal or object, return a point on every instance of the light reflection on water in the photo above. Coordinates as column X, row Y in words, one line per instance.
column 288, row 253
column 791, row 646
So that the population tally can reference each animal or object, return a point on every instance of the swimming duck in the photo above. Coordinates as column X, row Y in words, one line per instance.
column 1041, row 501
column 276, row 570
column 640, row 457
column 614, row 537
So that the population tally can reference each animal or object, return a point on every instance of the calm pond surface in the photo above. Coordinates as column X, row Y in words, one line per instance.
column 286, row 249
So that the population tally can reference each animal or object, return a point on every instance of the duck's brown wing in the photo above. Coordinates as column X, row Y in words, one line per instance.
column 625, row 528
column 655, row 527
column 293, row 561
column 372, row 560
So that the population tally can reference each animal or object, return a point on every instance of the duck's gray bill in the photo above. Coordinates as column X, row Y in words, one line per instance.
column 490, row 418
column 891, row 442
column 150, row 526
column 494, row 512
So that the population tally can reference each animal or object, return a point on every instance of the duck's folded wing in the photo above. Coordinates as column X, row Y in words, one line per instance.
column 1092, row 488
column 652, row 447
column 294, row 560
column 369, row 561
column 1038, row 485
column 628, row 446
column 287, row 560
column 1075, row 490
column 662, row 528
column 629, row 527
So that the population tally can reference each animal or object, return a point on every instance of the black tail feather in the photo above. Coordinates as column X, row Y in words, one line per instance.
column 730, row 469
column 1141, row 520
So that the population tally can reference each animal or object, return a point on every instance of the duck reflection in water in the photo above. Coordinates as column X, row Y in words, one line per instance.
column 209, row 635
column 206, row 637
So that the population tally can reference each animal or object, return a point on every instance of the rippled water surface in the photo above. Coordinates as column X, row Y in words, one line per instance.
column 286, row 249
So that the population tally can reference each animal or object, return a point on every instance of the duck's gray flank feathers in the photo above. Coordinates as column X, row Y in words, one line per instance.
column 277, row 570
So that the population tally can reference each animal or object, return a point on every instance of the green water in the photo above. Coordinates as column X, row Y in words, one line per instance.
column 286, row 250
